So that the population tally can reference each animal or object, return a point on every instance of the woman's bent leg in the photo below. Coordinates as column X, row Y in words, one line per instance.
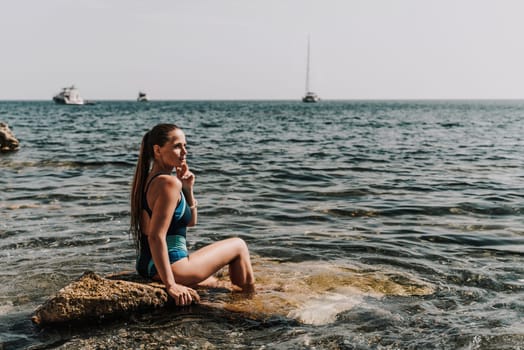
column 208, row 260
column 240, row 269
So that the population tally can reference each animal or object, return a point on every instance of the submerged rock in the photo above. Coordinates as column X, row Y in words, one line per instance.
column 8, row 141
column 308, row 292
column 95, row 297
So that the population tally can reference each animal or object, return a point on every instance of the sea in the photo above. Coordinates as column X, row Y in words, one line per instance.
column 371, row 224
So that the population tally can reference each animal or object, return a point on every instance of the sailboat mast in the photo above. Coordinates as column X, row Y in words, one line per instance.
column 307, row 67
column 309, row 96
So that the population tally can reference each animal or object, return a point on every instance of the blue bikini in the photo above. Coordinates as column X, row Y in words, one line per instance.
column 175, row 238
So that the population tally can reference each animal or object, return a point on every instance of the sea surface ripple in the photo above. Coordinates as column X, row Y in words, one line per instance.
column 403, row 220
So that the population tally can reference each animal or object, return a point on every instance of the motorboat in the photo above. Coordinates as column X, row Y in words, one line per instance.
column 69, row 96
column 142, row 97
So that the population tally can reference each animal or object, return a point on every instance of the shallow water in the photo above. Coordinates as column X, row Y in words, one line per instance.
column 372, row 224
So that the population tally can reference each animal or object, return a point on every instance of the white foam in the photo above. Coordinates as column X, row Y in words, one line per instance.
column 6, row 309
column 324, row 308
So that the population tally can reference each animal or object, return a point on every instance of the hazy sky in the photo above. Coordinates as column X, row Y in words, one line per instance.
column 252, row 49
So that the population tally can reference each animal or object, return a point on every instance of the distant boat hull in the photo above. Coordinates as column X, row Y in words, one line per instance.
column 68, row 96
column 62, row 101
column 142, row 97
column 59, row 100
column 310, row 97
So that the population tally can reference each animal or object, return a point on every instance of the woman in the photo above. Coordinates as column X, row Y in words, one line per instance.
column 162, row 206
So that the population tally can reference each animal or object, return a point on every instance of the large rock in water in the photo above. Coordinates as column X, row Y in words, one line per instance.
column 95, row 297
column 8, row 141
column 308, row 292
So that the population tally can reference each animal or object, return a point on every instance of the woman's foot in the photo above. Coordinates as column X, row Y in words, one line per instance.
column 213, row 282
column 248, row 288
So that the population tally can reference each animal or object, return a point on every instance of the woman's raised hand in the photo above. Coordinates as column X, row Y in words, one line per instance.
column 185, row 176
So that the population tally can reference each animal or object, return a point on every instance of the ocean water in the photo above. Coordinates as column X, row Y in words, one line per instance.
column 372, row 224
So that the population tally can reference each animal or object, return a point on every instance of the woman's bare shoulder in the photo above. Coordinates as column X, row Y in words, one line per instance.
column 168, row 182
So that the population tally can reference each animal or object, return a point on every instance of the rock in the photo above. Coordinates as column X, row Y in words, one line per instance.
column 308, row 292
column 8, row 141
column 95, row 297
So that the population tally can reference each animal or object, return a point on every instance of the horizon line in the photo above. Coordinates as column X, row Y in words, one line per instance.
column 283, row 99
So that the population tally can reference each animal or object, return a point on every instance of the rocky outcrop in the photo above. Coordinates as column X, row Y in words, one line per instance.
column 309, row 292
column 93, row 297
column 8, row 141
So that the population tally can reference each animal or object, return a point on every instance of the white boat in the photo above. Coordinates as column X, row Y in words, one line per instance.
column 142, row 97
column 310, row 96
column 69, row 96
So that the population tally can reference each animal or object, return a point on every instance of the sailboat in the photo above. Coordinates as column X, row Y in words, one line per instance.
column 309, row 97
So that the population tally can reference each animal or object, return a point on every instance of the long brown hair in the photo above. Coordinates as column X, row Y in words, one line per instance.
column 156, row 136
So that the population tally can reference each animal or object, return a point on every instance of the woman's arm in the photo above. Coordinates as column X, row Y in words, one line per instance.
column 187, row 178
column 193, row 206
column 168, row 189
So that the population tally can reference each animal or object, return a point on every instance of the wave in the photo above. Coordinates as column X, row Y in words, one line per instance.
column 56, row 164
column 419, row 211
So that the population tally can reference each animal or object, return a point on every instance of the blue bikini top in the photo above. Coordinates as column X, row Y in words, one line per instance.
column 181, row 217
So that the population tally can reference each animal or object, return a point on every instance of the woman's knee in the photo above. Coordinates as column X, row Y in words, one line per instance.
column 241, row 245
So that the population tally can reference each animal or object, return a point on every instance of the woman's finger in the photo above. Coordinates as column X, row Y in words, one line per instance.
column 194, row 295
column 184, row 299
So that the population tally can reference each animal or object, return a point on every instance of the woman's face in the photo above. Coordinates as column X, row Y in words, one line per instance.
column 173, row 153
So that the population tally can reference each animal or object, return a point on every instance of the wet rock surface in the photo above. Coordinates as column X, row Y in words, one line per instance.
column 310, row 293
column 93, row 297
column 8, row 141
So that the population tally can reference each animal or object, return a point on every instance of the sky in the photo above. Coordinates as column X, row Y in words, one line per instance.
column 252, row 49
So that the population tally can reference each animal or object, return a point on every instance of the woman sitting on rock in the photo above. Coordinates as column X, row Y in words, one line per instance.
column 162, row 207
